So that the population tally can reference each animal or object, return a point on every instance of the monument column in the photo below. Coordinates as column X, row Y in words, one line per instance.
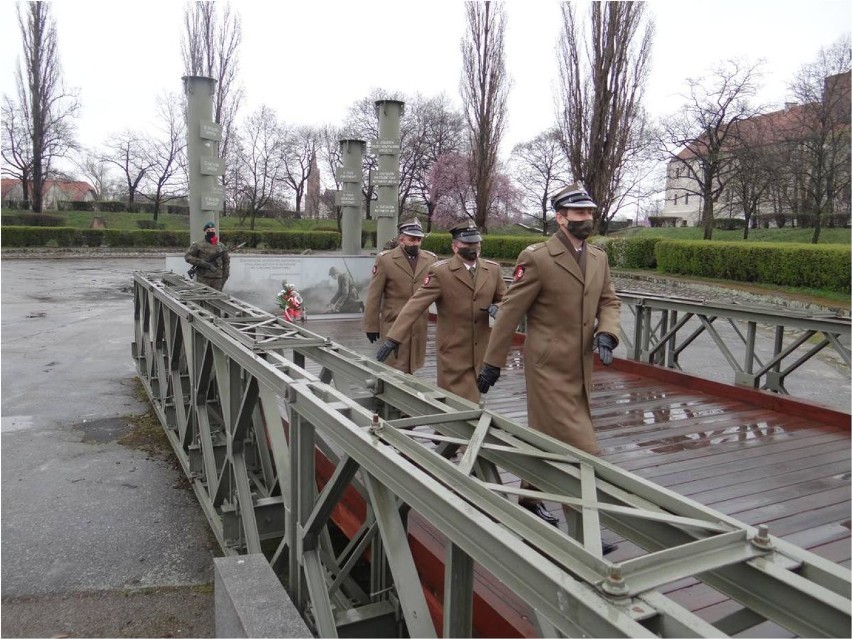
column 386, row 178
column 352, row 154
column 202, row 150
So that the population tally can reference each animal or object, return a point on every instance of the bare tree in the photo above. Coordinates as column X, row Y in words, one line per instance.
column 754, row 166
column 210, row 48
column 165, row 179
column 701, row 135
column 822, row 131
column 328, row 148
column 540, row 168
column 94, row 169
column 259, row 154
column 436, row 129
column 602, row 80
column 484, row 92
column 128, row 151
column 299, row 146
column 48, row 108
column 17, row 147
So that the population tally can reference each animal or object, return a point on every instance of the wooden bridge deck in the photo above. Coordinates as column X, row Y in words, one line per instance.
column 760, row 458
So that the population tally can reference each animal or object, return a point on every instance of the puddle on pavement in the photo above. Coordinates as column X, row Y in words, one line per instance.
column 104, row 430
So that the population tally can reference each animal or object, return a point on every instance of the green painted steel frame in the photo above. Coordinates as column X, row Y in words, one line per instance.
column 662, row 331
column 216, row 373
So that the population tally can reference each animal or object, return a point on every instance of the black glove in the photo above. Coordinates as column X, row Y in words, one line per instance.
column 488, row 376
column 491, row 310
column 206, row 266
column 372, row 337
column 604, row 343
column 390, row 346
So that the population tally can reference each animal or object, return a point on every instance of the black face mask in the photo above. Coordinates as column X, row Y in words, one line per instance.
column 581, row 230
column 468, row 254
column 209, row 237
column 412, row 251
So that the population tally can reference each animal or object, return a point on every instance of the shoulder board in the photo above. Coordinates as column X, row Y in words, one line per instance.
column 492, row 262
column 596, row 247
column 428, row 253
column 384, row 252
column 439, row 263
column 534, row 247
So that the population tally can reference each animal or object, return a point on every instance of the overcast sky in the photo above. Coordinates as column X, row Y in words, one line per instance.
column 311, row 60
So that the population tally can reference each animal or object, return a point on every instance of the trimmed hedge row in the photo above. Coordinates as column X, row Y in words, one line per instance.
column 627, row 252
column 23, row 236
column 818, row 266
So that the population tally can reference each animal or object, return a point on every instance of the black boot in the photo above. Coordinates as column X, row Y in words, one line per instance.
column 537, row 508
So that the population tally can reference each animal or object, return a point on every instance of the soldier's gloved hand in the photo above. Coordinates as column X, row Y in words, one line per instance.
column 372, row 337
column 206, row 266
column 491, row 310
column 390, row 346
column 488, row 376
column 604, row 344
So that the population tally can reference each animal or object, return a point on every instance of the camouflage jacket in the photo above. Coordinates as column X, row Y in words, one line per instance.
column 201, row 252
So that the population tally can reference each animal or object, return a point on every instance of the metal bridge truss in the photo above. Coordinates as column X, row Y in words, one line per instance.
column 249, row 422
column 663, row 330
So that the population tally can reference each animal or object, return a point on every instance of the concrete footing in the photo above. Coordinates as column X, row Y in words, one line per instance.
column 251, row 602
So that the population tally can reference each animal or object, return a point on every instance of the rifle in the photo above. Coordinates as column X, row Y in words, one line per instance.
column 212, row 261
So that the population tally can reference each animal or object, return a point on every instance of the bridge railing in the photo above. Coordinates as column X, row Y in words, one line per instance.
column 289, row 439
column 762, row 346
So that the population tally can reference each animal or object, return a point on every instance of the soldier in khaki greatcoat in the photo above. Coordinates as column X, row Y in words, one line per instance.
column 397, row 274
column 465, row 290
column 563, row 287
column 211, row 258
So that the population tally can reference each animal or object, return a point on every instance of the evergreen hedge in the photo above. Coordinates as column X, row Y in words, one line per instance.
column 823, row 266
column 30, row 236
column 629, row 252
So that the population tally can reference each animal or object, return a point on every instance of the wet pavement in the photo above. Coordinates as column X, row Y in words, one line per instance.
column 85, row 518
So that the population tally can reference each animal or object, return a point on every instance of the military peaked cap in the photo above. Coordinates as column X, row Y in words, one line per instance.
column 573, row 196
column 466, row 232
column 411, row 227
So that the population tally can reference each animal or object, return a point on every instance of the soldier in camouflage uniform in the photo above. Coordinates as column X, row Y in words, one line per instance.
column 211, row 258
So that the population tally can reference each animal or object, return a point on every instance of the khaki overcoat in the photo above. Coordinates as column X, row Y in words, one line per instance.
column 462, row 332
column 392, row 284
column 564, row 309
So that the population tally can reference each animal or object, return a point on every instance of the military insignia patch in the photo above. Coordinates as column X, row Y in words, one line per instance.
column 375, row 269
column 519, row 273
column 426, row 281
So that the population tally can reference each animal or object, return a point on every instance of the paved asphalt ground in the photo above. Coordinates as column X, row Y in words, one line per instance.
column 99, row 538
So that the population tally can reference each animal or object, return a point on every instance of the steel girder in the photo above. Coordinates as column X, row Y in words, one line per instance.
column 663, row 330
column 250, row 422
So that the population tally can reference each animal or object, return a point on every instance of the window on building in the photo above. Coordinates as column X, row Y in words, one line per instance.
column 675, row 202
column 686, row 199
